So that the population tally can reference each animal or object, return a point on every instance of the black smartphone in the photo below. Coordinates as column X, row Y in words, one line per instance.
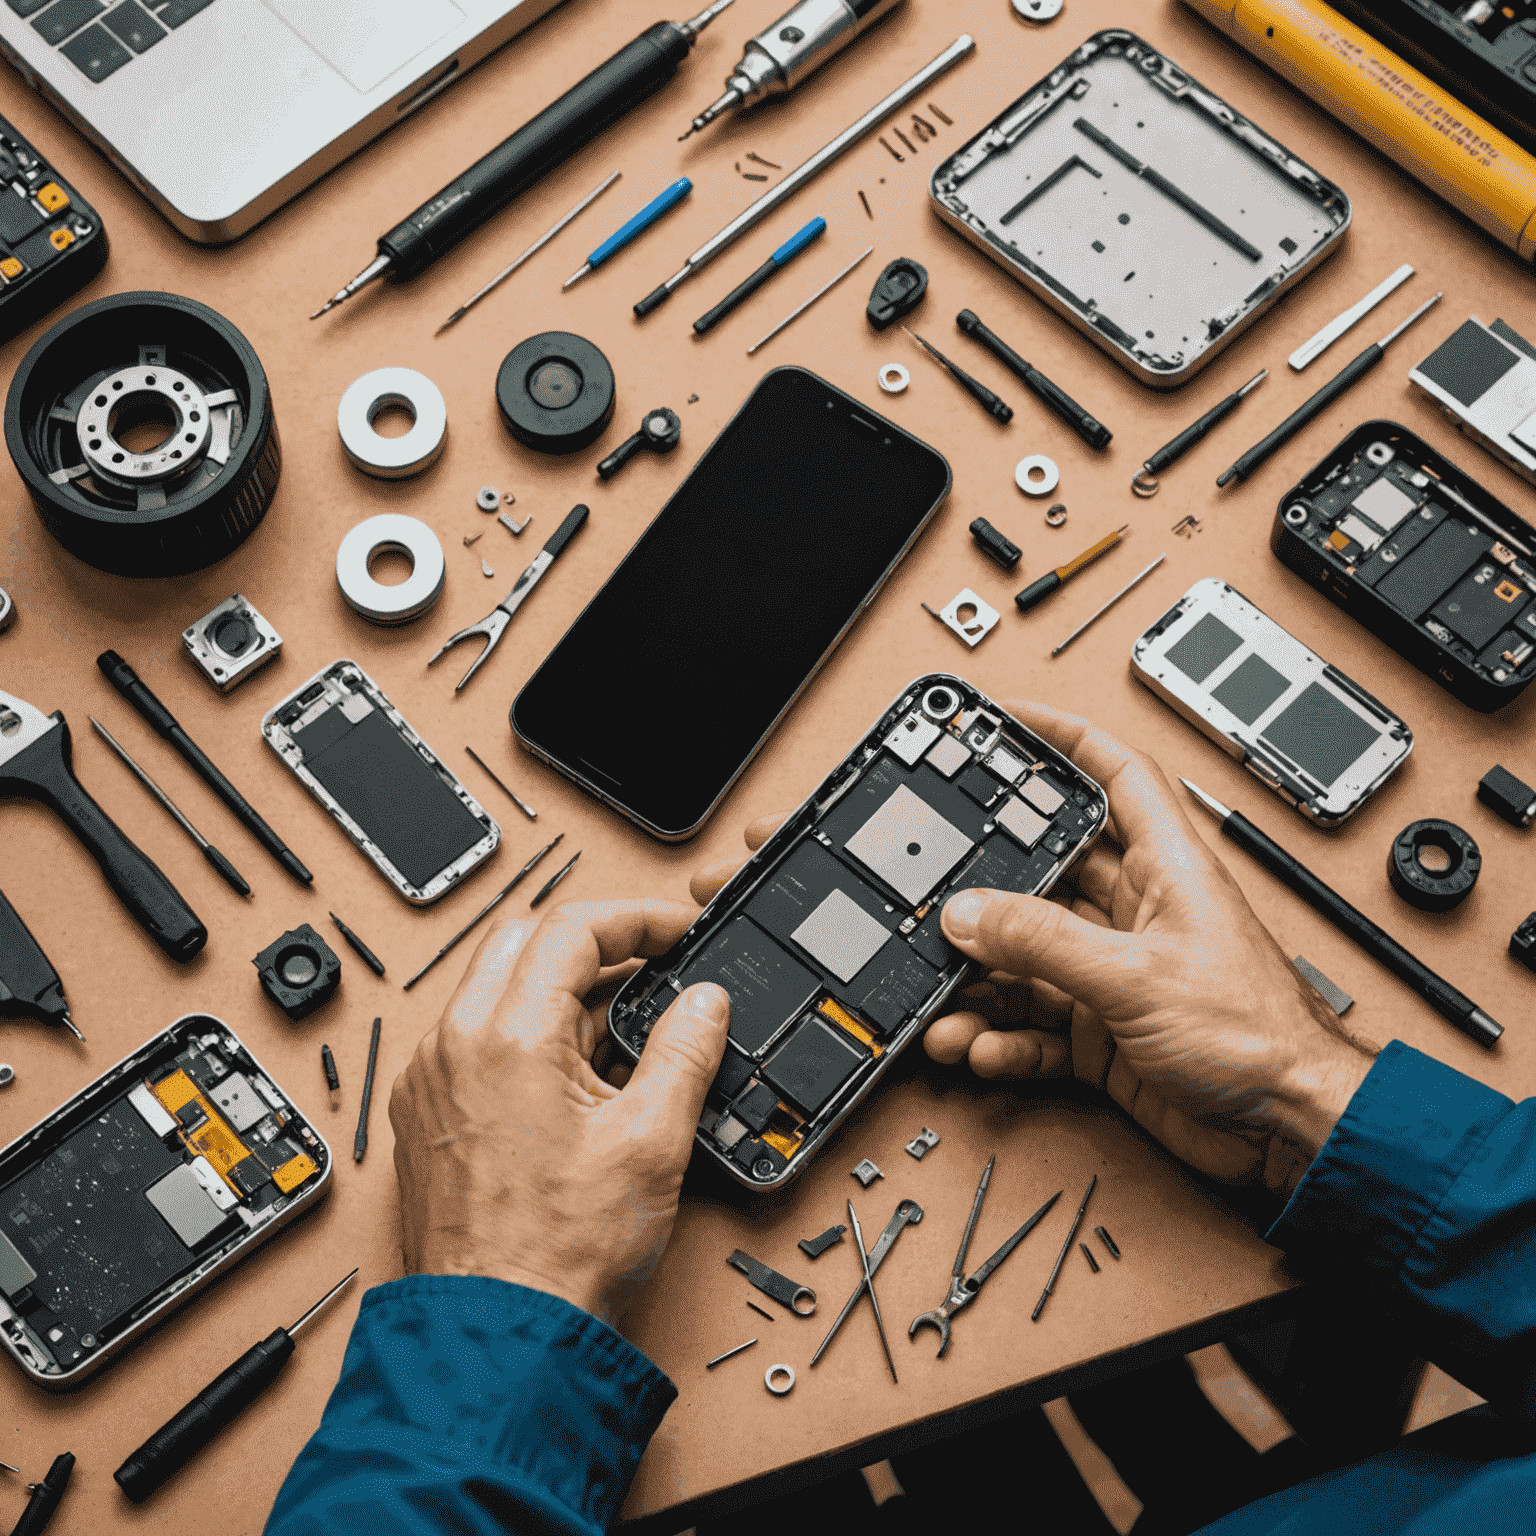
column 730, row 601
column 827, row 939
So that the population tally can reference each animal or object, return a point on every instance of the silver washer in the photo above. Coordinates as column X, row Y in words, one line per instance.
column 893, row 378
column 488, row 498
column 392, row 458
column 416, row 594
column 144, row 392
column 1037, row 10
column 7, row 611
column 1024, row 470
column 775, row 1371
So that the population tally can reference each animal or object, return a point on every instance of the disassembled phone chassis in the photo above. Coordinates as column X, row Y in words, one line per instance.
column 828, row 938
column 125, row 1202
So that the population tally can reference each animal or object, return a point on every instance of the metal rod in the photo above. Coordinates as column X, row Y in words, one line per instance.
column 869, row 1285
column 825, row 288
column 360, row 1141
column 537, row 246
column 1066, row 1248
column 520, row 803
column 1094, row 618
column 333, row 1290
column 727, row 1355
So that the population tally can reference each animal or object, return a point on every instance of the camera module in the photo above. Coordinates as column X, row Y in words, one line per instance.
column 231, row 642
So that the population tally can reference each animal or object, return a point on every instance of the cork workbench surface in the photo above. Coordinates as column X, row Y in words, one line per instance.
column 1191, row 1257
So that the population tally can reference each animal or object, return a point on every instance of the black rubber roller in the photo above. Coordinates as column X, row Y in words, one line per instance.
column 1433, row 865
column 556, row 392
column 142, row 426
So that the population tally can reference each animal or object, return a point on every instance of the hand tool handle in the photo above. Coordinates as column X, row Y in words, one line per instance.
column 1092, row 432
column 567, row 530
column 641, row 222
column 738, row 295
column 621, row 455
column 1037, row 591
column 1345, row 378
column 28, row 982
column 122, row 677
column 573, row 120
column 1452, row 1005
column 227, row 871
column 979, row 391
column 45, row 1498
column 42, row 772
column 177, row 1441
column 1177, row 447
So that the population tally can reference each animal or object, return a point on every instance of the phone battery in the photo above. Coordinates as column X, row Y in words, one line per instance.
column 1140, row 206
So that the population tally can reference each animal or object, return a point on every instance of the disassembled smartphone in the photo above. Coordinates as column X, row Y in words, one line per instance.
column 120, row 1206
column 381, row 783
column 1302, row 728
column 828, row 938
column 1423, row 556
column 1140, row 206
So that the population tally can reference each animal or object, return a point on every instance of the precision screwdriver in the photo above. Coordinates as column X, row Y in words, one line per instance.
column 796, row 45
column 1346, row 378
column 1144, row 481
column 743, row 291
column 632, row 228
column 973, row 387
column 1038, row 591
column 177, row 1441
column 632, row 75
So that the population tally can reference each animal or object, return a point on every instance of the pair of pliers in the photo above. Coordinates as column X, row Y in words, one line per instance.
column 491, row 626
column 962, row 1291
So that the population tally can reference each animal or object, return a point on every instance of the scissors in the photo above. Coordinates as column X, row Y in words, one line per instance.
column 496, row 621
column 961, row 1291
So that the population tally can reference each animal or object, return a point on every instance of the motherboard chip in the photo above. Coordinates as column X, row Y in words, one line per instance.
column 841, row 936
column 812, row 1065
column 949, row 755
column 1017, row 819
column 767, row 986
column 1043, row 795
column 1384, row 503
column 187, row 1207
column 909, row 845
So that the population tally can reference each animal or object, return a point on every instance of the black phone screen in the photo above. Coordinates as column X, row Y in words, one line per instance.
column 664, row 688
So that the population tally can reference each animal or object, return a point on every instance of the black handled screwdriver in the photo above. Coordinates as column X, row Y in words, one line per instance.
column 1346, row 378
column 1144, row 481
column 973, row 387
column 176, row 1442
column 45, row 1497
column 1038, row 591
column 1092, row 431
column 632, row 75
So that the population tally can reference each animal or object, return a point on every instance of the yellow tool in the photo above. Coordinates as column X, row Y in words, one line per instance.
column 1479, row 171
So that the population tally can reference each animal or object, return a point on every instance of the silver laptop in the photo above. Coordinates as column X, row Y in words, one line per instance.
column 219, row 111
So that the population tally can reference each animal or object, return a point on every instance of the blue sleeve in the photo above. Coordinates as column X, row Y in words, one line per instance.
column 474, row 1406
column 1426, row 1191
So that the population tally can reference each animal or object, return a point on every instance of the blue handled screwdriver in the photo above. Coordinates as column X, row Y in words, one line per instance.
column 780, row 259
column 641, row 222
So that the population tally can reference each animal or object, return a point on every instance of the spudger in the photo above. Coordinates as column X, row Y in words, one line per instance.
column 780, row 259
column 1092, row 431
column 361, row 950
column 978, row 391
column 227, row 871
column 1346, row 378
column 1038, row 591
column 360, row 1140
column 1352, row 923
column 632, row 228
column 614, row 88
column 164, row 723
column 177, row 1441
column 488, row 908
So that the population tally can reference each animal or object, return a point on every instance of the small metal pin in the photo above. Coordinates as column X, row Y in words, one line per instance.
column 1093, row 1263
column 1108, row 1242
column 520, row 803
column 771, row 164
column 895, row 153
column 769, row 1315
column 729, row 1353
column 865, row 201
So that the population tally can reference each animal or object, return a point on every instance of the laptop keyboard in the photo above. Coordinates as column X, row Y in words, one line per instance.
column 99, row 40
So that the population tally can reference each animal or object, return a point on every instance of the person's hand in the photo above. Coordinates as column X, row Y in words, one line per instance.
column 515, row 1158
column 1157, row 983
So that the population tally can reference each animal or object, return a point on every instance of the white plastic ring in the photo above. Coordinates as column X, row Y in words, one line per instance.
column 392, row 458
column 893, row 378
column 777, row 1373
column 413, row 596
column 1037, row 463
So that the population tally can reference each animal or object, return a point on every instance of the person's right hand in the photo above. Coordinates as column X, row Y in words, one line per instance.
column 1159, row 984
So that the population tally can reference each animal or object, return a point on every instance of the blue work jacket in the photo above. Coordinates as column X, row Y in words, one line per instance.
column 474, row 1406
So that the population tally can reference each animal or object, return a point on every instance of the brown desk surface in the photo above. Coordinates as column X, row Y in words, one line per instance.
column 1189, row 1258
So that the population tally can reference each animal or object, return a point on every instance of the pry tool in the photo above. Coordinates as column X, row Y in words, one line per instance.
column 45, row 1497
column 614, row 88
column 28, row 982
column 175, row 1443
column 869, row 1285
column 1038, row 591
column 491, row 627
column 632, row 228
column 962, row 1292
column 35, row 763
column 908, row 1213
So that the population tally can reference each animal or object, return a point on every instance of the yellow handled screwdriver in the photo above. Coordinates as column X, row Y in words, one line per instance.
column 1038, row 591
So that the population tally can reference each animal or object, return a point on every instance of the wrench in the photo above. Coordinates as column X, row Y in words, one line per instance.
column 908, row 1212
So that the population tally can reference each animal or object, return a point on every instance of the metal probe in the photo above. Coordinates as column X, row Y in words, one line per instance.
column 1094, row 617
column 869, row 1285
column 615, row 87
column 538, row 245
column 796, row 45
column 795, row 314
column 521, row 804
column 805, row 171
column 231, row 876
column 176, row 1442
column 360, row 1140
column 1066, row 1248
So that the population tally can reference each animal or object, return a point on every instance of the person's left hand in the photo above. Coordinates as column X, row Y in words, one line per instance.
column 515, row 1158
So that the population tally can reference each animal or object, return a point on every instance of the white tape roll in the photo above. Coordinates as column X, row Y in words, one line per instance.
column 392, row 458
column 408, row 536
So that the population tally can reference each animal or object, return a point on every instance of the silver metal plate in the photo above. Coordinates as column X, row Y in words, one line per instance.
column 909, row 845
column 949, row 756
column 1017, row 819
column 841, row 935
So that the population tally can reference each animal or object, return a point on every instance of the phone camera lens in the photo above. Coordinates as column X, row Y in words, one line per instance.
column 233, row 634
column 1296, row 516
column 298, row 967
column 298, row 971
column 555, row 384
column 762, row 1169
column 940, row 704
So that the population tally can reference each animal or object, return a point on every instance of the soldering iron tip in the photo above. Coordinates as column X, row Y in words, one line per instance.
column 69, row 1024
column 329, row 304
column 452, row 319
column 693, row 128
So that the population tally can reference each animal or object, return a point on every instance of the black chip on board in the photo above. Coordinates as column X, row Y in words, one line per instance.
column 1468, row 363
column 1416, row 583
column 755, row 1107
column 766, row 984
column 1477, row 608
column 892, row 986
column 980, row 785
column 812, row 1065
column 735, row 1071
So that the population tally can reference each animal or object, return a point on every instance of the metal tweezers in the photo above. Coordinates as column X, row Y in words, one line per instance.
column 490, row 628
column 962, row 1291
